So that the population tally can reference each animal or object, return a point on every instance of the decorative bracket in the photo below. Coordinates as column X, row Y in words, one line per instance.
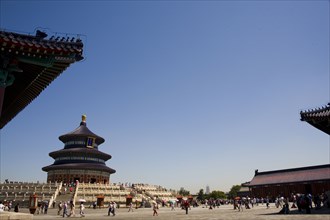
column 6, row 78
column 45, row 62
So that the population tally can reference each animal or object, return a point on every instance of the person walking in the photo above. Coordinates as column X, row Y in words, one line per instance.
column 2, row 207
column 172, row 206
column 65, row 209
column 72, row 209
column 155, row 209
column 240, row 205
column 16, row 208
column 46, row 208
column 114, row 207
column 10, row 205
column 110, row 208
column 186, row 206
column 130, row 208
column 38, row 208
column 267, row 202
column 82, row 208
column 60, row 206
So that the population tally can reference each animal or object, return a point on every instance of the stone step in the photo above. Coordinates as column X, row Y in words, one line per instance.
column 15, row 215
column 64, row 197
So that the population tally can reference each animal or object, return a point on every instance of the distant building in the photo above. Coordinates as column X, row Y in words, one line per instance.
column 80, row 159
column 313, row 179
column 244, row 191
column 207, row 190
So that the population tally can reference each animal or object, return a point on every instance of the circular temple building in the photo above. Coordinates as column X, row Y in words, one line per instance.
column 80, row 159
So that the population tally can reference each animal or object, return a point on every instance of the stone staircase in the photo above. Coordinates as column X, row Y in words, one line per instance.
column 65, row 197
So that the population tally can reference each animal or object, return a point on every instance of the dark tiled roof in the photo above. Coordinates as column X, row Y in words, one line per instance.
column 81, row 131
column 80, row 151
column 316, row 114
column 22, row 44
column 41, row 61
column 85, row 166
column 304, row 174
column 319, row 118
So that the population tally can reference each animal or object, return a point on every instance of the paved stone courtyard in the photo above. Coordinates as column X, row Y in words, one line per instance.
column 225, row 212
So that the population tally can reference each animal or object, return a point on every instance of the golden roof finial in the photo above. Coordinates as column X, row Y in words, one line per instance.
column 83, row 118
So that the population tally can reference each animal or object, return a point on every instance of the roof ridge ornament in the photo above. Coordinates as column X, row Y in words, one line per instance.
column 83, row 120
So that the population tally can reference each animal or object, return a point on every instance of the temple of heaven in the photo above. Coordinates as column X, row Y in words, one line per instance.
column 79, row 160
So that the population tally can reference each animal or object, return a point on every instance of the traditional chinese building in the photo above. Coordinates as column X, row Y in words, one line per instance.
column 313, row 179
column 28, row 64
column 80, row 159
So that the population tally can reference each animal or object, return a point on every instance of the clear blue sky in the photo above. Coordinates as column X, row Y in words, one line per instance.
column 185, row 93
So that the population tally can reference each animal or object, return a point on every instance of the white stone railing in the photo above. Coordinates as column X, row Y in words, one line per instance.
column 75, row 193
column 53, row 198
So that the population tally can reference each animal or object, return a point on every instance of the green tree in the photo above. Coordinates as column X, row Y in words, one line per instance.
column 184, row 192
column 233, row 191
column 217, row 195
column 200, row 195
